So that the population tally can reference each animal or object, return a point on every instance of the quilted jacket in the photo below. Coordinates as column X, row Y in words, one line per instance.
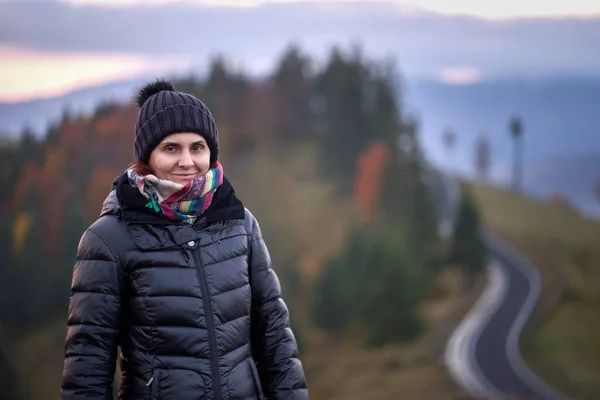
column 196, row 310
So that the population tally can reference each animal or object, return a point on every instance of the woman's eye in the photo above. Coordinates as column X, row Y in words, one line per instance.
column 170, row 148
column 198, row 147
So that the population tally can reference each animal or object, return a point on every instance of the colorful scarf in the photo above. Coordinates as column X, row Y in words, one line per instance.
column 178, row 202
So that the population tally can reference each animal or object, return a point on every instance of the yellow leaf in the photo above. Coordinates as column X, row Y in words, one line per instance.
column 21, row 228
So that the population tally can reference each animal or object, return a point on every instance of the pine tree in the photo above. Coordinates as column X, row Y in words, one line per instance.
column 330, row 310
column 468, row 247
column 293, row 87
column 342, row 86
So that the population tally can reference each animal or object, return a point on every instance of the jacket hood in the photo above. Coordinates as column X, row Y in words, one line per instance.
column 111, row 203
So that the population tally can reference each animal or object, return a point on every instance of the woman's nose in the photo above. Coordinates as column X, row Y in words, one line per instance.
column 186, row 160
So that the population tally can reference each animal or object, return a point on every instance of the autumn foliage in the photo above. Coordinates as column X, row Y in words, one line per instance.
column 368, row 181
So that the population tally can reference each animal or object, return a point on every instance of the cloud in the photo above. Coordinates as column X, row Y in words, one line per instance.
column 460, row 75
column 25, row 74
column 423, row 42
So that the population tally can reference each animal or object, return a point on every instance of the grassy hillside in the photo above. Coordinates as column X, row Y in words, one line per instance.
column 346, row 370
column 564, row 348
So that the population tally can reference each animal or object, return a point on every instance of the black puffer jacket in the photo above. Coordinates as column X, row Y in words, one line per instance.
column 196, row 309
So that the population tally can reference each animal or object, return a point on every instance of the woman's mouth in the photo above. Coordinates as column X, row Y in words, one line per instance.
column 184, row 176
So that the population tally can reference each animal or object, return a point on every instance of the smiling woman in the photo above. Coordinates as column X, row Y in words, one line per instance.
column 177, row 274
column 27, row 74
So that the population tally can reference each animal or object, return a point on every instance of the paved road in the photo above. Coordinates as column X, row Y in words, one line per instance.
column 496, row 350
column 491, row 364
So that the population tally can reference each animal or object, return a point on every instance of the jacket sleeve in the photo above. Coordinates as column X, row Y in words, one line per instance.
column 93, row 322
column 274, row 344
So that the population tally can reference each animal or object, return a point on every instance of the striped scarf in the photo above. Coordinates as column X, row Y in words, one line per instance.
column 178, row 202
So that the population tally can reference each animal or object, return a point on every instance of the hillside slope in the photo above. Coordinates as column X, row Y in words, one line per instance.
column 564, row 346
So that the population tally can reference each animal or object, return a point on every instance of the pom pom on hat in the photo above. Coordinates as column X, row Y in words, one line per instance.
column 151, row 89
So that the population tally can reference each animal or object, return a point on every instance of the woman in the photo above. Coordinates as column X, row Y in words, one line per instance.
column 176, row 273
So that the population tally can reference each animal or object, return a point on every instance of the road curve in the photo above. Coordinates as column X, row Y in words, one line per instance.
column 496, row 350
column 483, row 354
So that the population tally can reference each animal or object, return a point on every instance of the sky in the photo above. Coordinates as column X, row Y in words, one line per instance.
column 25, row 74
column 481, row 8
column 50, row 47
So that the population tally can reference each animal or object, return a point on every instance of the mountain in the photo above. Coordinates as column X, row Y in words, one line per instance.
column 38, row 114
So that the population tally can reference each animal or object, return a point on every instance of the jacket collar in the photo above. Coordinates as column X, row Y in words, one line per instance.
column 128, row 203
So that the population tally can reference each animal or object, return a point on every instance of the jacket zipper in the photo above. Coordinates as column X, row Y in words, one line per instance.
column 209, row 322
column 152, row 383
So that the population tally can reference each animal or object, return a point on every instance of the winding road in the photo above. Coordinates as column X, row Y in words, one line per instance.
column 483, row 353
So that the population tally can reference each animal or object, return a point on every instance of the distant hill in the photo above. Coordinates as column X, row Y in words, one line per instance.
column 574, row 175
column 38, row 114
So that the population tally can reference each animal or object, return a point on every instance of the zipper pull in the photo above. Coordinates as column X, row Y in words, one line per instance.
column 150, row 382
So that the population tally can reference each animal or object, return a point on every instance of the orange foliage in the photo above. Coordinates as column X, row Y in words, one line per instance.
column 108, row 127
column 96, row 191
column 53, row 187
column 54, row 160
column 367, row 184
column 73, row 135
column 112, row 140
column 50, row 186
column 27, row 179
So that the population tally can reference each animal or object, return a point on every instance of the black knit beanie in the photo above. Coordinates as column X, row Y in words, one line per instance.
column 165, row 111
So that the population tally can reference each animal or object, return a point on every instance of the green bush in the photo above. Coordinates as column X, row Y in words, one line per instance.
column 375, row 283
column 393, row 291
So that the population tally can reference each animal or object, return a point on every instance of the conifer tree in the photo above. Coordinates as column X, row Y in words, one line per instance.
column 468, row 247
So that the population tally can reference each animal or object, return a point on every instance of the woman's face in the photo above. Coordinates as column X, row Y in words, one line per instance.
column 180, row 158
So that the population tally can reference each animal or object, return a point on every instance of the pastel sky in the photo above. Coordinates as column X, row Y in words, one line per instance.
column 84, row 47
column 481, row 8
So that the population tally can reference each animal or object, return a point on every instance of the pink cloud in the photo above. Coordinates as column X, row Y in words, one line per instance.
column 27, row 74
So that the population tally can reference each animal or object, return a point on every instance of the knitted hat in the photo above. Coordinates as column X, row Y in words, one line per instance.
column 165, row 111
